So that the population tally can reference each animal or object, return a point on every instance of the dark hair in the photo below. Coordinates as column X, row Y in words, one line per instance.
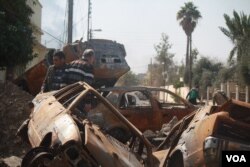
column 60, row 54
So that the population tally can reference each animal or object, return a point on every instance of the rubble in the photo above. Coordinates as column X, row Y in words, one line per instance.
column 167, row 127
column 13, row 111
column 157, row 137
column 12, row 161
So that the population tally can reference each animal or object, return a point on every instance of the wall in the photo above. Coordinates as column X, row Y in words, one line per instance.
column 36, row 21
column 36, row 18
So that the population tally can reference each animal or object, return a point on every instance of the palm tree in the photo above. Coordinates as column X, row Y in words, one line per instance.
column 188, row 17
column 238, row 31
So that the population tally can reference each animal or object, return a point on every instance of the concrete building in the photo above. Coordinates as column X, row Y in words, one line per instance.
column 38, row 48
column 36, row 23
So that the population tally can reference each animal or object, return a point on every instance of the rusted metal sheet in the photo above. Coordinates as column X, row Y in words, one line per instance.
column 209, row 131
column 106, row 154
column 33, row 78
column 58, row 122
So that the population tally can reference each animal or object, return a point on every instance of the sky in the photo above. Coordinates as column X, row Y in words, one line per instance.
column 139, row 24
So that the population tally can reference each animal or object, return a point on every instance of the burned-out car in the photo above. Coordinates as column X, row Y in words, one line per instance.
column 200, row 138
column 61, row 133
column 148, row 108
column 64, row 130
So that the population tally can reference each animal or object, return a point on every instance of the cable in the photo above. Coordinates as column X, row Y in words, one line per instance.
column 53, row 36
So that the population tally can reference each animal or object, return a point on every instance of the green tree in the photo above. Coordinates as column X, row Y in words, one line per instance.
column 165, row 59
column 16, row 40
column 238, row 31
column 205, row 73
column 188, row 17
column 225, row 74
column 163, row 71
column 128, row 79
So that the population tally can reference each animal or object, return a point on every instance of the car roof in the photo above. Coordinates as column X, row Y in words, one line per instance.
column 133, row 88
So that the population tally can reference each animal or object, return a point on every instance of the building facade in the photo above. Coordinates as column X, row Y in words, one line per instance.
column 36, row 23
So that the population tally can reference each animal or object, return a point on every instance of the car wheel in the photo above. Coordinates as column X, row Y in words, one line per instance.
column 38, row 157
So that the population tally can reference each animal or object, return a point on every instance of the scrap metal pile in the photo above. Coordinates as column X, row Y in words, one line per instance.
column 60, row 136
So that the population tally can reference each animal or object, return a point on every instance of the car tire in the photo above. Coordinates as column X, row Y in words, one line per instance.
column 37, row 156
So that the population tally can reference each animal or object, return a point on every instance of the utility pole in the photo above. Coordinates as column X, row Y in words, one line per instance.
column 151, row 71
column 89, row 16
column 70, row 20
column 190, row 63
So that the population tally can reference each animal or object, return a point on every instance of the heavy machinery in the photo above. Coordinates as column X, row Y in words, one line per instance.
column 110, row 64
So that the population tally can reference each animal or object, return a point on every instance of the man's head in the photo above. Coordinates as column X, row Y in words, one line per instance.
column 89, row 56
column 59, row 59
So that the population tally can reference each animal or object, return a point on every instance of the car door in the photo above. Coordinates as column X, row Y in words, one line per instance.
column 171, row 105
column 137, row 108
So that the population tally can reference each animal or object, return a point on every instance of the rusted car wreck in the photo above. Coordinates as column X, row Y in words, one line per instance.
column 60, row 135
column 148, row 108
column 200, row 138
column 63, row 133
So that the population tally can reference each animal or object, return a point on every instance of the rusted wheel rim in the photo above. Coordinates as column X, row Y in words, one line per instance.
column 39, row 156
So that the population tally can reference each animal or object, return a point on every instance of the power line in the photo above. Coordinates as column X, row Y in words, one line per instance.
column 53, row 36
column 63, row 33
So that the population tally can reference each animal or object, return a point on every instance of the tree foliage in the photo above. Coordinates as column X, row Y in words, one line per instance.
column 225, row 74
column 165, row 67
column 162, row 51
column 16, row 39
column 188, row 16
column 163, row 71
column 238, row 31
column 205, row 73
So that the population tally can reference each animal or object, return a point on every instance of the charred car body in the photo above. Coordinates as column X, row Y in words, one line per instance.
column 148, row 108
column 59, row 137
column 200, row 138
